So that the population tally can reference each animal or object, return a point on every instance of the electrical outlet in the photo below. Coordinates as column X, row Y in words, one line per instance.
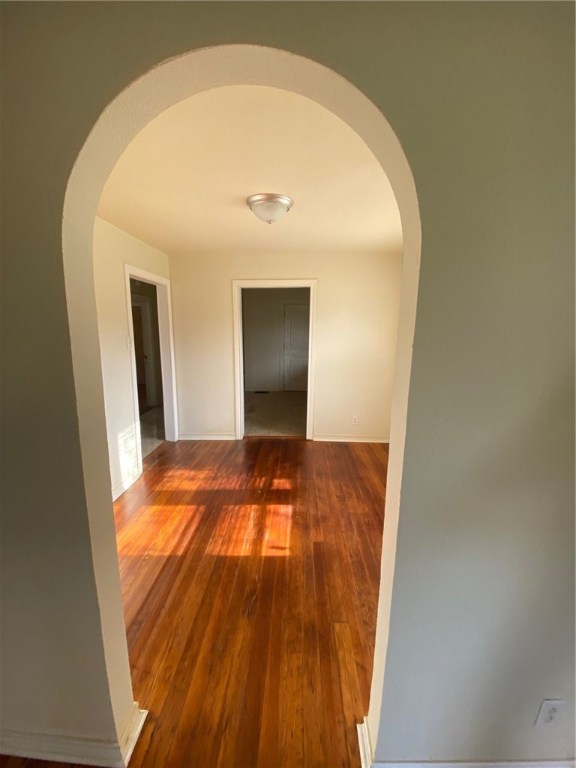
column 355, row 420
column 550, row 711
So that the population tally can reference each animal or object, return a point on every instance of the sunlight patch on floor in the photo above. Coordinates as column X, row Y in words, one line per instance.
column 128, row 454
column 282, row 484
column 179, row 525
column 251, row 529
column 278, row 530
column 205, row 480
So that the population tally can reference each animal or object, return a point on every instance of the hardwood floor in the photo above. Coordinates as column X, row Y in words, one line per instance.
column 250, row 573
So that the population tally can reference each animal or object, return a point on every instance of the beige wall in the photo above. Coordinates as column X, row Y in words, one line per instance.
column 481, row 96
column 114, row 248
column 356, row 322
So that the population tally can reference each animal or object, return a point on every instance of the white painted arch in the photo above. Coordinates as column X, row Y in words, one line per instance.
column 131, row 110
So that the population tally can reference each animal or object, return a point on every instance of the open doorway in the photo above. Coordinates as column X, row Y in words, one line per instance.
column 275, row 336
column 85, row 181
column 147, row 357
column 274, row 323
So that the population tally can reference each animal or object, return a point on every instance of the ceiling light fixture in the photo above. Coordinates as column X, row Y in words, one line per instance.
column 269, row 207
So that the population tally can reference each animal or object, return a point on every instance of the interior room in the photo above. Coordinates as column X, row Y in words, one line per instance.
column 396, row 588
column 312, row 305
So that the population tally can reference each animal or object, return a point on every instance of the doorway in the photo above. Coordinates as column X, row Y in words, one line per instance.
column 274, row 332
column 195, row 72
column 147, row 357
column 275, row 346
column 151, row 345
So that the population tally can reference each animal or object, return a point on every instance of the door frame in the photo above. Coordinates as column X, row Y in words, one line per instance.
column 167, row 364
column 143, row 99
column 237, row 286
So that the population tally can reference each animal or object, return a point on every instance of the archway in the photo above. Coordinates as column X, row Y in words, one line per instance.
column 120, row 122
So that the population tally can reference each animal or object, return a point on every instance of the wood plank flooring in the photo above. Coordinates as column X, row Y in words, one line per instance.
column 250, row 573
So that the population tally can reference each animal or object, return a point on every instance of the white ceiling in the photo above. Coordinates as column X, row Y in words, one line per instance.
column 181, row 185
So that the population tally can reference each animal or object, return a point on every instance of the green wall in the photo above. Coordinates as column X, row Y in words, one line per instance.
column 481, row 96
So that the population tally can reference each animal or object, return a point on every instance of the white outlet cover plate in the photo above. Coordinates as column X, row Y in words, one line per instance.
column 550, row 711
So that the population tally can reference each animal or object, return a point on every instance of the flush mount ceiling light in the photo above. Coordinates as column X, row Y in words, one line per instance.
column 269, row 207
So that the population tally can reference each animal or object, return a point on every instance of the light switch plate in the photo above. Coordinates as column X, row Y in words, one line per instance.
column 550, row 711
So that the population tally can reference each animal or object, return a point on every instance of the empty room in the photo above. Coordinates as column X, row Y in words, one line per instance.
column 333, row 529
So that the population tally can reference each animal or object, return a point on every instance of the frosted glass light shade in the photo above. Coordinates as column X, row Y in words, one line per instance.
column 269, row 207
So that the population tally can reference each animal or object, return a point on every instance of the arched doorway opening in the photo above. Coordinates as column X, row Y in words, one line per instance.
column 140, row 103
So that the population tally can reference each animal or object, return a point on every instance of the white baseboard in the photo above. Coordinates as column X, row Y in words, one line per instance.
column 319, row 438
column 503, row 764
column 350, row 439
column 188, row 436
column 367, row 760
column 364, row 744
column 61, row 747
column 132, row 732
column 119, row 489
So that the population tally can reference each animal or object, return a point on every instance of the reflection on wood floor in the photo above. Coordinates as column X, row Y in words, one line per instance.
column 250, row 575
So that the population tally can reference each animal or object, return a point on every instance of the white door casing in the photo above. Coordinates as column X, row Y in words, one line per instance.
column 237, row 286
column 166, row 339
